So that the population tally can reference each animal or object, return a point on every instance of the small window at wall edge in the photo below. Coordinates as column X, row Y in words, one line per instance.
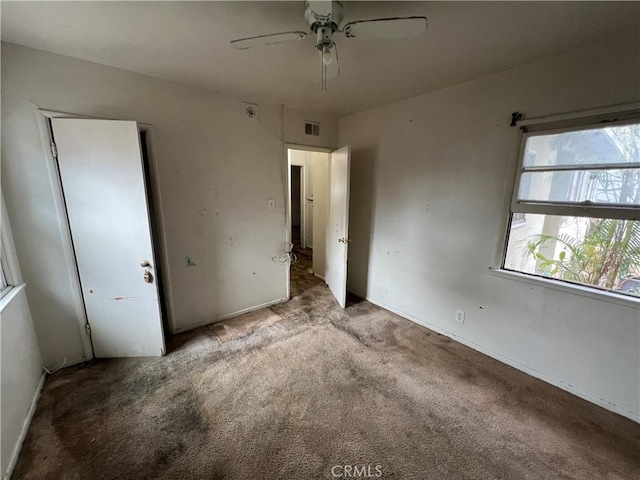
column 6, row 282
column 575, row 209
column 10, row 275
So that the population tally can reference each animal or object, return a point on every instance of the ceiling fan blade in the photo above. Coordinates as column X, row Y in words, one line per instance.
column 406, row 27
column 262, row 40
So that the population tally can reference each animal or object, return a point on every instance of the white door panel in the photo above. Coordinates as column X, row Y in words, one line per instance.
column 338, row 231
column 104, row 189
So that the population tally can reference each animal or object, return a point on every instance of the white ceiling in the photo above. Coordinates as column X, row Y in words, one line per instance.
column 188, row 42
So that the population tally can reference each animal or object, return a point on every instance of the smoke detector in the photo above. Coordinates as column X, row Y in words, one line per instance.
column 250, row 111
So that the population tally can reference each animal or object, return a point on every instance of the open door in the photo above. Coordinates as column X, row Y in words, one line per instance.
column 338, row 230
column 103, row 183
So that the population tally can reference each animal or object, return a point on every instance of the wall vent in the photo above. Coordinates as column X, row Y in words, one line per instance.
column 311, row 128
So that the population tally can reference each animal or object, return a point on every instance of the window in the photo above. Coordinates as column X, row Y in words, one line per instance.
column 9, row 269
column 576, row 205
column 4, row 282
column 6, row 279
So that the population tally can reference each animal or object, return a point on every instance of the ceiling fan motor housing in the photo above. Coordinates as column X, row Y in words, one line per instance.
column 323, row 24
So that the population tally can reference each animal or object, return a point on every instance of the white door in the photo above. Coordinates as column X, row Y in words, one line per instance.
column 338, row 231
column 102, row 176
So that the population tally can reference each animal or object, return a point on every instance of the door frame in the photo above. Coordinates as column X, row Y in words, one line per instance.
column 159, row 244
column 287, row 195
column 159, row 238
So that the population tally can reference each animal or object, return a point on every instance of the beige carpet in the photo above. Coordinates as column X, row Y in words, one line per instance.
column 244, row 325
column 313, row 396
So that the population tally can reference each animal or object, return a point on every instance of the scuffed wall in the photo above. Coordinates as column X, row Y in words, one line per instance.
column 217, row 170
column 431, row 183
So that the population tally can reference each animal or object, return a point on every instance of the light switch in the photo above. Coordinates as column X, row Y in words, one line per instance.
column 272, row 204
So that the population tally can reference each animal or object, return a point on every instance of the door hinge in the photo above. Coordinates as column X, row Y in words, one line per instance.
column 54, row 150
column 87, row 329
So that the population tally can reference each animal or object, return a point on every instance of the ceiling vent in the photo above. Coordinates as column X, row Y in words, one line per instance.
column 312, row 129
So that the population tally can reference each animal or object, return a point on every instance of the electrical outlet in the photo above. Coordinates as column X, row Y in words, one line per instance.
column 272, row 204
column 459, row 316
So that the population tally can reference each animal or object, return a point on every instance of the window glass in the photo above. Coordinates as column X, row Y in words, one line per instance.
column 4, row 278
column 604, row 145
column 599, row 252
column 575, row 216
column 598, row 186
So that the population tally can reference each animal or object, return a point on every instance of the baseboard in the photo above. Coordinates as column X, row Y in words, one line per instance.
column 66, row 364
column 355, row 293
column 25, row 428
column 513, row 363
column 320, row 277
column 230, row 315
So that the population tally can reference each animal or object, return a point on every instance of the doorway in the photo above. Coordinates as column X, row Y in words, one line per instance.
column 297, row 204
column 318, row 184
column 308, row 199
column 150, row 182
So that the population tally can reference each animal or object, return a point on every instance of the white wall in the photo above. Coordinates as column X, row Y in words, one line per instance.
column 431, row 179
column 321, row 193
column 308, row 205
column 19, row 355
column 21, row 372
column 217, row 171
column 294, row 129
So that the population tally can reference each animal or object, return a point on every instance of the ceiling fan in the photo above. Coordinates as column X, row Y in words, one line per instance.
column 324, row 18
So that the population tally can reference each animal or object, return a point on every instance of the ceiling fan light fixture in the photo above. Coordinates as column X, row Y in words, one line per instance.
column 327, row 55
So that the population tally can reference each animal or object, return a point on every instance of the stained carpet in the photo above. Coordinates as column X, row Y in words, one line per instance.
column 320, row 393
column 244, row 325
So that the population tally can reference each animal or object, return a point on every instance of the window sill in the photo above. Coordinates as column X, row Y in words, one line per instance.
column 10, row 295
column 581, row 290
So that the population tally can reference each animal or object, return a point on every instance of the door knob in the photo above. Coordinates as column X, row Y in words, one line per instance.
column 145, row 263
column 147, row 276
column 344, row 240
